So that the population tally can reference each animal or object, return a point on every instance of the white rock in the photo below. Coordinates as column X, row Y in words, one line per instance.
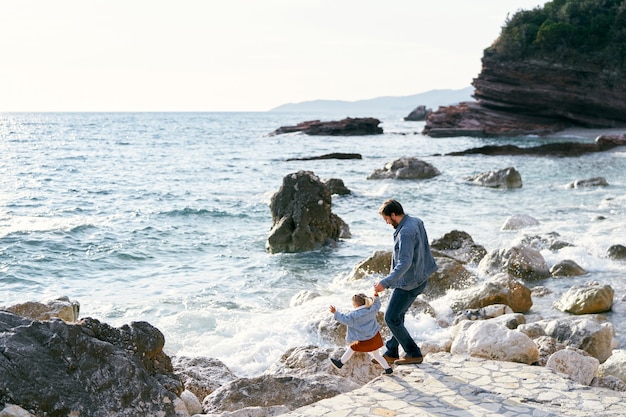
column 489, row 340
column 580, row 368
column 615, row 365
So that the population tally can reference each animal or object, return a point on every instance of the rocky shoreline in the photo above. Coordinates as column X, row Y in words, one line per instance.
column 55, row 363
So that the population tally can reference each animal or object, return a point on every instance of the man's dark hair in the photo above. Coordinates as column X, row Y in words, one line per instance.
column 390, row 207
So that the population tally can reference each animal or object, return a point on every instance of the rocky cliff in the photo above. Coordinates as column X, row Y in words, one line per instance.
column 551, row 68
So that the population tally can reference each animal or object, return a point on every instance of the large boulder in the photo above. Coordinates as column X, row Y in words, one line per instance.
column 302, row 376
column 579, row 366
column 499, row 289
column 89, row 368
column 588, row 334
column 405, row 169
column 302, row 219
column 519, row 261
column 460, row 246
column 489, row 340
column 450, row 275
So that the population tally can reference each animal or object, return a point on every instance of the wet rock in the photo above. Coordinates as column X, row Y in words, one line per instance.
column 519, row 221
column 450, row 275
column 405, row 169
column 617, row 252
column 567, row 268
column 506, row 178
column 483, row 313
column 548, row 241
column 336, row 186
column 301, row 215
column 359, row 126
column 499, row 289
column 589, row 182
column 379, row 263
column 587, row 299
column 460, row 246
column 519, row 261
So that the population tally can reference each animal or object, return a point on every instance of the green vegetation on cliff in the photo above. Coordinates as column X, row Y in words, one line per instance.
column 589, row 32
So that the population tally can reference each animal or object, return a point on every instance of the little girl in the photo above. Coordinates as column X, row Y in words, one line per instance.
column 363, row 333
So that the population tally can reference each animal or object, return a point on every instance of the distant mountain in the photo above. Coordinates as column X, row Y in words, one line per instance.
column 431, row 99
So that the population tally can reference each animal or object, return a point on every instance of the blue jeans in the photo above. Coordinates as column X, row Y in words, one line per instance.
column 399, row 303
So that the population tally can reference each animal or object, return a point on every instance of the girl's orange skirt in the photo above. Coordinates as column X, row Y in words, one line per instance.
column 368, row 345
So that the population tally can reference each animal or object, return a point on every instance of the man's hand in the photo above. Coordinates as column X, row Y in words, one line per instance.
column 378, row 287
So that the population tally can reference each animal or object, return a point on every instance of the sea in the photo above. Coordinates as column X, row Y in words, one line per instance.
column 164, row 218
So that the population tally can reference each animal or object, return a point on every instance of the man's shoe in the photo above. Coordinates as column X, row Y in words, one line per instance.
column 390, row 359
column 387, row 371
column 336, row 363
column 408, row 360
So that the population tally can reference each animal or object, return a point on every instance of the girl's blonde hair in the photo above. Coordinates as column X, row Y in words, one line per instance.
column 362, row 299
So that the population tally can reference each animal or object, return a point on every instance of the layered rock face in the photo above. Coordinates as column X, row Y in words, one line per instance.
column 589, row 96
column 516, row 97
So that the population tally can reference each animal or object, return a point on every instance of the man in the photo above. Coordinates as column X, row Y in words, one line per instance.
column 411, row 265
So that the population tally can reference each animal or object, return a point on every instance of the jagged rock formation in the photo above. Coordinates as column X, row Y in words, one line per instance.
column 551, row 68
column 302, row 219
column 55, row 368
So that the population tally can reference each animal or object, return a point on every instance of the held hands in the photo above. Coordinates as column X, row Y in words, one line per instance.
column 332, row 309
column 378, row 287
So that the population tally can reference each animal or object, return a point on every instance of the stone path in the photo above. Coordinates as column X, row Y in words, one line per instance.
column 451, row 385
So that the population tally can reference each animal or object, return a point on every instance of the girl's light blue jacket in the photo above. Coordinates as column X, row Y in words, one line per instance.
column 361, row 322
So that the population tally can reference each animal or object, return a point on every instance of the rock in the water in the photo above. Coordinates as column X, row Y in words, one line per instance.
column 359, row 126
column 405, row 169
column 302, row 216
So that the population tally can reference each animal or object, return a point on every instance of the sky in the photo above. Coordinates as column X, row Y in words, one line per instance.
column 237, row 55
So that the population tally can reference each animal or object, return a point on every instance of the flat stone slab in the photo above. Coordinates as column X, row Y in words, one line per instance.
column 453, row 385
